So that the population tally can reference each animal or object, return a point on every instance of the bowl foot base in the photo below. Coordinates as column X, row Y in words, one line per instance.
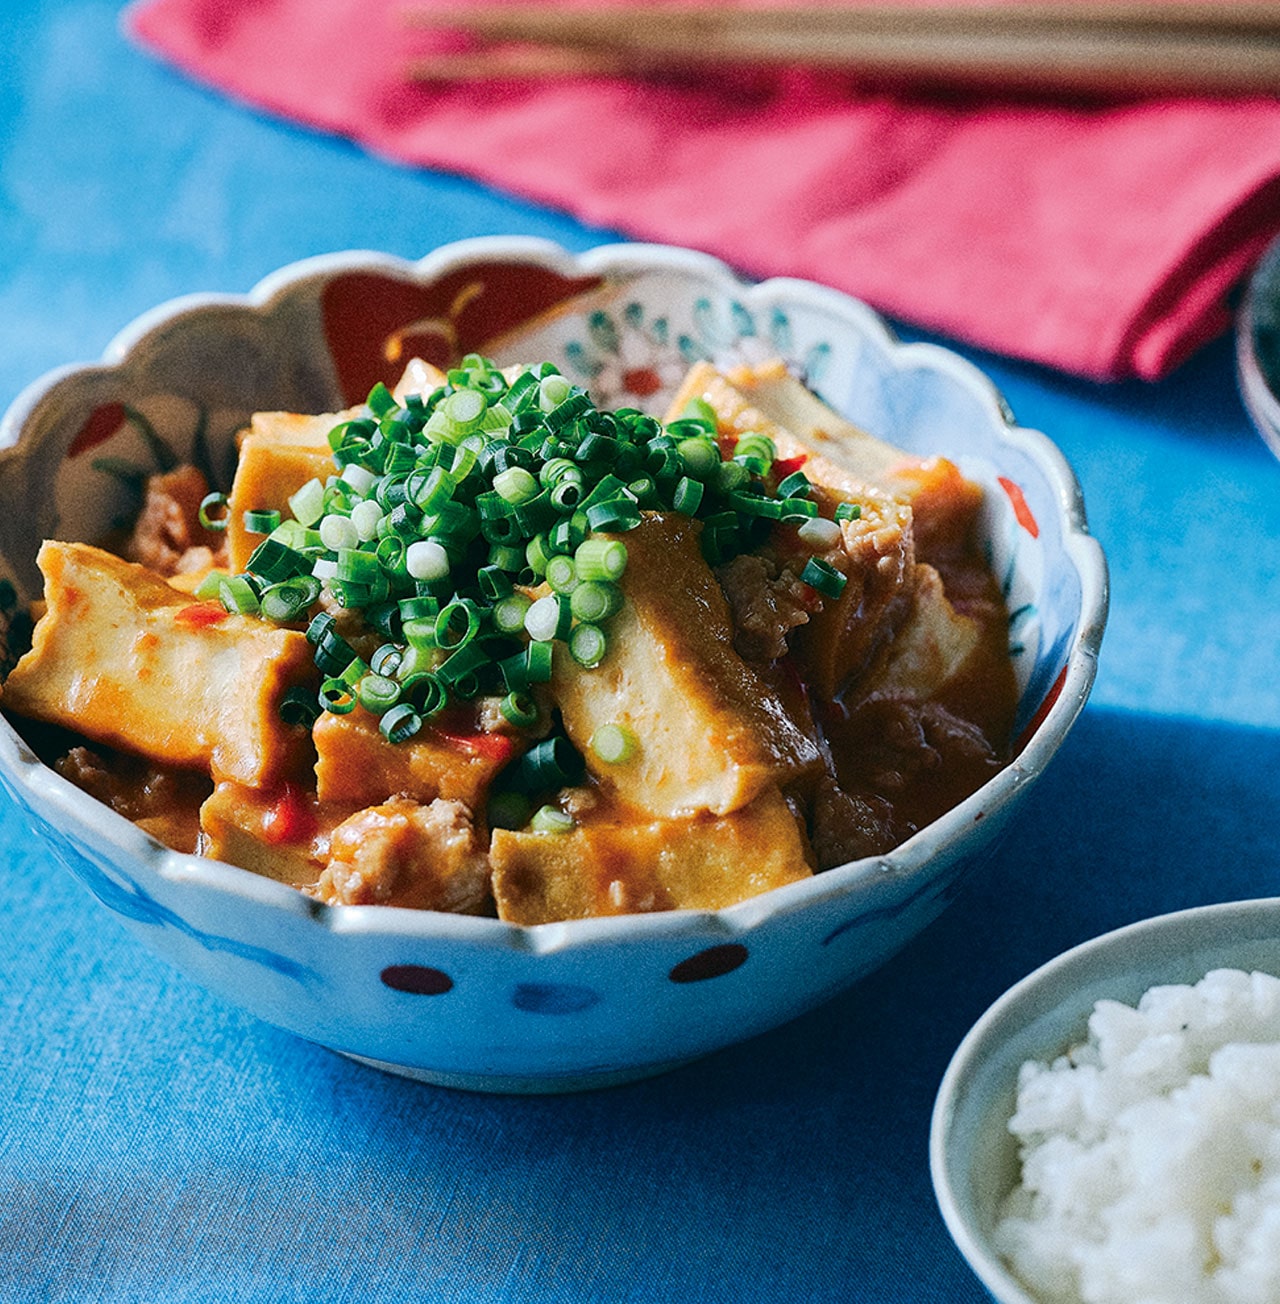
column 513, row 1084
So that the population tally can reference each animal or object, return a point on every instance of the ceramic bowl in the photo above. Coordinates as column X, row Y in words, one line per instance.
column 973, row 1156
column 474, row 1002
column 1258, row 347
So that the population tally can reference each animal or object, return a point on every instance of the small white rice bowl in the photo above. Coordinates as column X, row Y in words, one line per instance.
column 1150, row 1154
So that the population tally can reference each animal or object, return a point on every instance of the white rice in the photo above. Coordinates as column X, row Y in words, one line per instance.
column 1151, row 1154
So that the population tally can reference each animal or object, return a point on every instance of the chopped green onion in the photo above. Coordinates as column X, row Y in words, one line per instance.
column 562, row 574
column 213, row 512
column 380, row 400
column 337, row 697
column 274, row 561
column 426, row 560
column 700, row 457
column 587, row 645
column 237, row 595
column 618, row 514
column 550, row 819
column 494, row 582
column 290, row 599
column 601, row 559
column 400, row 723
column 819, row 532
column 688, row 496
column 515, row 485
column 848, row 511
column 538, row 662
column 614, row 744
column 825, row 578
column 377, row 693
column 338, row 532
column 386, row 660
column 358, row 566
column 547, row 766
column 366, row 516
column 595, row 600
column 425, row 692
column 261, row 522
column 208, row 587
column 322, row 624
column 519, row 709
column 548, row 618
column 457, row 624
column 307, row 505
column 700, row 410
column 333, row 653
column 299, row 706
column 795, row 485
column 509, row 613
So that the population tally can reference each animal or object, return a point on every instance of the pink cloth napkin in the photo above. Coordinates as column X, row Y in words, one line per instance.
column 1102, row 240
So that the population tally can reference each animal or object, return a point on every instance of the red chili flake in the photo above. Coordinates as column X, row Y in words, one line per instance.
column 497, row 747
column 200, row 615
column 290, row 818
column 786, row 466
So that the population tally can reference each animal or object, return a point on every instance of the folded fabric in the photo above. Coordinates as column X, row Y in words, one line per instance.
column 1102, row 239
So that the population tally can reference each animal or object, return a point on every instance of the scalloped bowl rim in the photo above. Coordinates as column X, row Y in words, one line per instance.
column 21, row 767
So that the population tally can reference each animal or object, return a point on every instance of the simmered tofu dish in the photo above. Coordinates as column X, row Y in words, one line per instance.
column 479, row 646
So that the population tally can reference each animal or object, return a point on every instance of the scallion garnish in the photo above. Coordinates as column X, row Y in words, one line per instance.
column 213, row 512
column 614, row 744
column 551, row 819
column 824, row 577
column 443, row 510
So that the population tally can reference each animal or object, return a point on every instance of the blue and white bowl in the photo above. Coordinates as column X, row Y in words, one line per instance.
column 477, row 1003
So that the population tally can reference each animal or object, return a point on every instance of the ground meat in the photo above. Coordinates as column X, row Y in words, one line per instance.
column 846, row 826
column 164, row 802
column 168, row 537
column 917, row 758
column 766, row 604
column 404, row 854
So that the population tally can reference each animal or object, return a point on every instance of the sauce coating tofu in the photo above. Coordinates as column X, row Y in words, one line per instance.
column 712, row 734
column 357, row 766
column 701, row 863
column 942, row 500
column 128, row 660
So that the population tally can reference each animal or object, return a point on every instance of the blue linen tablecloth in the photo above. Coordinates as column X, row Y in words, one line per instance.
column 157, row 1144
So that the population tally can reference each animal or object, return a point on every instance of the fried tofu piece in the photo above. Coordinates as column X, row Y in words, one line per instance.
column 357, row 766
column 944, row 501
column 712, row 735
column 405, row 854
column 282, row 833
column 703, row 862
column 127, row 660
column 418, row 377
column 279, row 453
column 935, row 646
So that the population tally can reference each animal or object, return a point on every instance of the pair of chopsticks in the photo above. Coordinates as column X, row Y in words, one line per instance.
column 1121, row 47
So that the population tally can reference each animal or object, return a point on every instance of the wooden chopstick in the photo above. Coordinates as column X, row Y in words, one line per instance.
column 1219, row 48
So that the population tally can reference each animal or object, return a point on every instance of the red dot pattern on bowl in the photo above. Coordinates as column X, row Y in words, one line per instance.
column 417, row 979
column 714, row 962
